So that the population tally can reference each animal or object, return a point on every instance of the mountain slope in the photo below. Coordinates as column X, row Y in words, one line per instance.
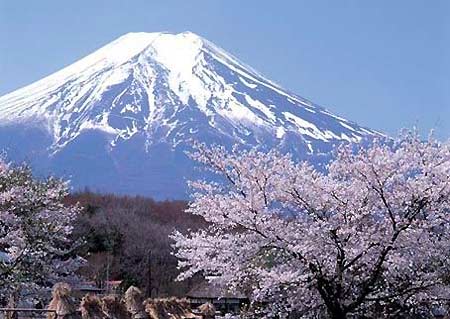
column 120, row 119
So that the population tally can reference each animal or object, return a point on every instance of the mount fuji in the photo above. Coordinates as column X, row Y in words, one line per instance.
column 121, row 119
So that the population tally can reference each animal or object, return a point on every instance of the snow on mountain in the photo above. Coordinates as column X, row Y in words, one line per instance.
column 121, row 118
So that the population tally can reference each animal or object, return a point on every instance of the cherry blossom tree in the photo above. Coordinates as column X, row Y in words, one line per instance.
column 35, row 229
column 368, row 237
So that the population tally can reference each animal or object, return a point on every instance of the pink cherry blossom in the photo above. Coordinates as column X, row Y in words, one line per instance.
column 368, row 236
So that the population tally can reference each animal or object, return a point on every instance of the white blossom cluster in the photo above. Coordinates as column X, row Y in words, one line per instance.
column 369, row 236
column 35, row 229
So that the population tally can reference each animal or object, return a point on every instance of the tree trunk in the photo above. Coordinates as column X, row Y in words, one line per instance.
column 331, row 299
column 337, row 313
column 12, row 303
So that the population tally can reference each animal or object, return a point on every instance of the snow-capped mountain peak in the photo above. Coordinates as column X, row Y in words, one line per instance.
column 152, row 88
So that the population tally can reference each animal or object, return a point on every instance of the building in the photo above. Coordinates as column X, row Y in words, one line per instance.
column 223, row 299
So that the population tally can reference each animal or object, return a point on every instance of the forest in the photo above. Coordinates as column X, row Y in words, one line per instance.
column 127, row 238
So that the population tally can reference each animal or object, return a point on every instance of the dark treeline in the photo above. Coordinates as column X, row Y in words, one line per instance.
column 126, row 238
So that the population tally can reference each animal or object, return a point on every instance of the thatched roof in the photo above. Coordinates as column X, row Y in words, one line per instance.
column 114, row 308
column 207, row 310
column 213, row 290
column 133, row 302
column 62, row 302
column 91, row 307
column 169, row 308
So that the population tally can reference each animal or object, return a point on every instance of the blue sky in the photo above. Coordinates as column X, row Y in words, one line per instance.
column 383, row 64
